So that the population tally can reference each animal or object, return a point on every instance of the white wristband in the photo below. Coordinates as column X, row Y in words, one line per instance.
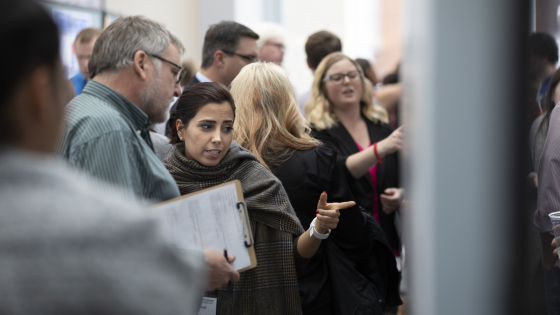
column 313, row 232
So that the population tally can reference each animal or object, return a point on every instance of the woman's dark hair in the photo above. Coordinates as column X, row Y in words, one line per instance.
column 548, row 103
column 192, row 100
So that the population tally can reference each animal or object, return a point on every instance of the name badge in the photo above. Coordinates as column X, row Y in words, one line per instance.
column 209, row 306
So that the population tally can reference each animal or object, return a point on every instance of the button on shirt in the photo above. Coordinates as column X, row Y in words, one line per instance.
column 107, row 136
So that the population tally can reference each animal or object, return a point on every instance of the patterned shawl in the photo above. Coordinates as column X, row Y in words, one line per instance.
column 271, row 287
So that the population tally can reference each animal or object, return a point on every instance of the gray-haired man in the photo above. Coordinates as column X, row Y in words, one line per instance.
column 135, row 73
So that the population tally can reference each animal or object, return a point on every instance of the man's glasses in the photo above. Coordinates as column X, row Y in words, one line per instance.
column 180, row 74
column 338, row 78
column 251, row 59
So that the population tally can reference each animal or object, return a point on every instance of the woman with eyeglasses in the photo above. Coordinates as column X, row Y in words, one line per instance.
column 342, row 114
column 353, row 270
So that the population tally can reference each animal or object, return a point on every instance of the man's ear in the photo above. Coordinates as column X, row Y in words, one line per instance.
column 219, row 58
column 140, row 62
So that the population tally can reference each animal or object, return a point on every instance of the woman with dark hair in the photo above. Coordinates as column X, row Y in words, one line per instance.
column 354, row 270
column 203, row 156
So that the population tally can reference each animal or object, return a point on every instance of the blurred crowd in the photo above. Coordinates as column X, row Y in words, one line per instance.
column 82, row 161
column 544, row 140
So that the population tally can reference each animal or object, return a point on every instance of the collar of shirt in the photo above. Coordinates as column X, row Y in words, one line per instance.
column 202, row 78
column 136, row 118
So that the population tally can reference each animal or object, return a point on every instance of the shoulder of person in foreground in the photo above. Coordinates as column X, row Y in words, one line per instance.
column 82, row 248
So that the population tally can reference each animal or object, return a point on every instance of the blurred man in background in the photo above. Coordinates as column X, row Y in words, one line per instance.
column 543, row 52
column 271, row 42
column 83, row 48
column 67, row 247
column 317, row 47
column 228, row 47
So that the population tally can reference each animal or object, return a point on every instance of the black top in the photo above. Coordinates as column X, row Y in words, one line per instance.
column 387, row 173
column 332, row 279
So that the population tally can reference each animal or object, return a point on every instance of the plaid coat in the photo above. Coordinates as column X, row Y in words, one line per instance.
column 271, row 287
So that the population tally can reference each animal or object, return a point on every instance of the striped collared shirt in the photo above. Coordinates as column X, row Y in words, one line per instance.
column 107, row 136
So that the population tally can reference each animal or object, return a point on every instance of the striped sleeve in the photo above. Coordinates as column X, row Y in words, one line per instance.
column 107, row 157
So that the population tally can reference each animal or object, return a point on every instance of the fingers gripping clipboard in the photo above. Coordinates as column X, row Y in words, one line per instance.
column 215, row 218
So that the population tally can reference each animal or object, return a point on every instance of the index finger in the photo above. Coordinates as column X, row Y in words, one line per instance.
column 343, row 205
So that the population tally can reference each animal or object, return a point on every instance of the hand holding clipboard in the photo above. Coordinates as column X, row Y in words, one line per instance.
column 211, row 220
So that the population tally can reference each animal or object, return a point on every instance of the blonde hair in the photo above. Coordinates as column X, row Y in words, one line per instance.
column 268, row 119
column 318, row 109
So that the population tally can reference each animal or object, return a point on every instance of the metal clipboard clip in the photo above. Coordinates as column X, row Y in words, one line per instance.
column 242, row 208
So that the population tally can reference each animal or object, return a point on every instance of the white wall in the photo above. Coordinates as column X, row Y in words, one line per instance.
column 302, row 19
column 356, row 22
column 212, row 12
column 181, row 17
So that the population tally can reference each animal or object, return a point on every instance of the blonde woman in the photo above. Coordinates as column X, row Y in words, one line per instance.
column 342, row 114
column 343, row 276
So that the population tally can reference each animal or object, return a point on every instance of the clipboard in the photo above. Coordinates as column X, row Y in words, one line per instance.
column 208, row 219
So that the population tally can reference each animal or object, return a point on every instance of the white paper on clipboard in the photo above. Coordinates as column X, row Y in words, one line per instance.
column 207, row 220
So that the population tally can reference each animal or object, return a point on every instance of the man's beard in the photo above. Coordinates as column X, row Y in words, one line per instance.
column 154, row 106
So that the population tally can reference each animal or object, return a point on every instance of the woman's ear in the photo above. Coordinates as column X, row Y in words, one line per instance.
column 179, row 126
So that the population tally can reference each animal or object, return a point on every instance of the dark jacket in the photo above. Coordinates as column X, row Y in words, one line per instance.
column 354, row 270
column 192, row 82
column 387, row 173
